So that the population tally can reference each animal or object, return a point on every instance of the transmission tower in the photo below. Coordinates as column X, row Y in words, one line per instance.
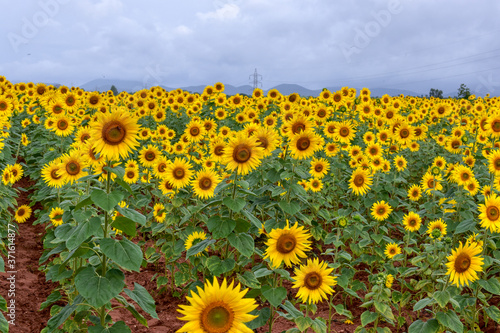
column 256, row 79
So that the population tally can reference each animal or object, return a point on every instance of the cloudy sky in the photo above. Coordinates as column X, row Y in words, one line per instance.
column 414, row 45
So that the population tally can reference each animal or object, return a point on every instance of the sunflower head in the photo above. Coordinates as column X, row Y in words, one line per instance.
column 314, row 281
column 287, row 245
column 464, row 263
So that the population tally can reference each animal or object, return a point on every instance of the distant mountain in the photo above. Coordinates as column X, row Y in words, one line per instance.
column 284, row 89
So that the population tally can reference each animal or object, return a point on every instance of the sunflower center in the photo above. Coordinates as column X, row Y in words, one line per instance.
column 161, row 167
column 20, row 212
column 219, row 150
column 318, row 168
column 286, row 243
column 344, row 132
column 313, row 280
column 359, row 180
column 492, row 213
column 3, row 106
column 496, row 163
column 381, row 211
column 130, row 174
column 455, row 144
column 431, row 183
column 85, row 137
column 303, row 143
column 94, row 100
column 373, row 151
column 150, row 156
column 194, row 131
column 113, row 133
column 242, row 153
column 264, row 143
column 404, row 133
column 62, row 124
column 179, row 173
column 70, row 101
column 465, row 176
column 298, row 127
column 412, row 222
column 495, row 125
column 205, row 183
column 217, row 318
column 72, row 168
column 54, row 175
column 462, row 262
column 321, row 113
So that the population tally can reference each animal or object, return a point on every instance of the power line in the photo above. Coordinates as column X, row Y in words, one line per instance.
column 255, row 79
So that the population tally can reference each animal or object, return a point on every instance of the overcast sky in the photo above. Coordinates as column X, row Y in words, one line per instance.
column 414, row 45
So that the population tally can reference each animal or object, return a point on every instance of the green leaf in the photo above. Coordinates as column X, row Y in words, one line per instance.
column 4, row 324
column 248, row 279
column 83, row 231
column 85, row 202
column 318, row 325
column 132, row 214
column 141, row 296
column 274, row 295
column 3, row 304
column 53, row 297
column 303, row 323
column 493, row 312
column 442, row 297
column 377, row 238
column 492, row 285
column 243, row 243
column 341, row 310
column 291, row 309
column 118, row 327
column 123, row 252
column 450, row 319
column 289, row 207
column 422, row 304
column 2, row 265
column 220, row 227
column 99, row 290
column 384, row 310
column 466, row 225
column 105, row 201
column 429, row 326
column 199, row 247
column 235, row 204
column 125, row 225
column 255, row 221
column 263, row 317
column 218, row 266
column 368, row 317
column 64, row 314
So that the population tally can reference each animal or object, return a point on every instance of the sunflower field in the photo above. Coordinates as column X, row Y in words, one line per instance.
column 380, row 214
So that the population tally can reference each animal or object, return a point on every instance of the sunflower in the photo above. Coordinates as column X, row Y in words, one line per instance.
column 160, row 166
column 24, row 140
column 242, row 153
column 71, row 167
column 331, row 149
column 440, row 162
column 463, row 175
column 381, row 210
column 56, row 216
column 314, row 281
column 195, row 131
column 490, row 213
column 304, row 144
column 204, row 183
column 287, row 245
column 166, row 187
column 373, row 150
column 131, row 175
column 315, row 185
column 392, row 250
column 400, row 163
column 217, row 308
column 431, row 182
column 415, row 192
column 464, row 263
column 23, row 213
column 149, row 155
column 179, row 172
column 50, row 174
column 404, row 134
column 412, row 221
column 159, row 212
column 63, row 125
column 437, row 229
column 494, row 162
column 17, row 172
column 492, row 126
column 360, row 181
column 195, row 238
column 267, row 138
column 345, row 132
column 389, row 280
column 114, row 134
column 319, row 167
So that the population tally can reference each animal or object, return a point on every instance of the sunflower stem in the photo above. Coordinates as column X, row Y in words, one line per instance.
column 104, row 257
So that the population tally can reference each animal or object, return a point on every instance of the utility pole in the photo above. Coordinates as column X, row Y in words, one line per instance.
column 255, row 80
